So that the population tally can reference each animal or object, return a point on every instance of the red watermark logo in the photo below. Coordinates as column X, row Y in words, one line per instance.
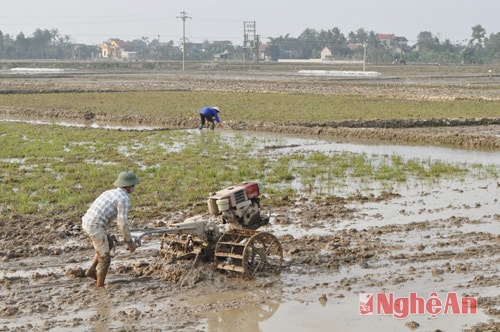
column 403, row 307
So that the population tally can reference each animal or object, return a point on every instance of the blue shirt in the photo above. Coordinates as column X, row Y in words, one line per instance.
column 209, row 111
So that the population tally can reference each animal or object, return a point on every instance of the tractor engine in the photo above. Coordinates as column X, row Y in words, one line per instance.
column 238, row 205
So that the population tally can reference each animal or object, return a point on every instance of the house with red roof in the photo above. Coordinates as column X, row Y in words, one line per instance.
column 397, row 45
column 113, row 49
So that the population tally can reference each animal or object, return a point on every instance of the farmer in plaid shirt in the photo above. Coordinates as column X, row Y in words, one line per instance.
column 111, row 204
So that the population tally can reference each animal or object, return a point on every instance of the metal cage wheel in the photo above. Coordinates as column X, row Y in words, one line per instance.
column 262, row 254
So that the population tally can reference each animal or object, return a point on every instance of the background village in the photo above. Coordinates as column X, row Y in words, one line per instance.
column 324, row 46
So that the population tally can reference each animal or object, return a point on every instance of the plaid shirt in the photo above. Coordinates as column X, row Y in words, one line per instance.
column 111, row 204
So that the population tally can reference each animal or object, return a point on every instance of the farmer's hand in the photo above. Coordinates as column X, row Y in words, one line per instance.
column 132, row 246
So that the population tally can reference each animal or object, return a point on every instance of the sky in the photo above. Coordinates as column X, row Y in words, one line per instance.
column 95, row 21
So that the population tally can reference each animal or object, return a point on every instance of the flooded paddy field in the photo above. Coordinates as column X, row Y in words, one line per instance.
column 432, row 244
column 425, row 237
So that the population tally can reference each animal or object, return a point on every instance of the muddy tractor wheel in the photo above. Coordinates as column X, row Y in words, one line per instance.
column 262, row 254
column 249, row 252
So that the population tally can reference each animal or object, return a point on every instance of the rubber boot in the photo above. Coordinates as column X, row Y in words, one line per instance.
column 101, row 276
column 212, row 126
column 92, row 272
column 102, row 270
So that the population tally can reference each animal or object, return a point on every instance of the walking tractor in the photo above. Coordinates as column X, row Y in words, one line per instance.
column 226, row 236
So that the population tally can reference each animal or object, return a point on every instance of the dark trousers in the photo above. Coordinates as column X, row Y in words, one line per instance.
column 205, row 118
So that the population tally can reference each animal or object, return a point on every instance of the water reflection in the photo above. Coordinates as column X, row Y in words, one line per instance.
column 294, row 144
column 243, row 319
column 102, row 311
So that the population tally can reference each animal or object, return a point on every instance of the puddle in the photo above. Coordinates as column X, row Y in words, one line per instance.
column 469, row 198
column 339, row 73
column 343, row 315
column 80, row 124
column 339, row 312
column 37, row 70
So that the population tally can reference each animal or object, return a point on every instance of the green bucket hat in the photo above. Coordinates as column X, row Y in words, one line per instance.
column 126, row 179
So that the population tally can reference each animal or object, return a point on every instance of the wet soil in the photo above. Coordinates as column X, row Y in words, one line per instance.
column 43, row 287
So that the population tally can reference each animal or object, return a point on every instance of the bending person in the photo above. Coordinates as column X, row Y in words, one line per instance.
column 209, row 115
column 111, row 204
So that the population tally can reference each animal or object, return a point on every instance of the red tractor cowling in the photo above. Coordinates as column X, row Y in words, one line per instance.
column 238, row 205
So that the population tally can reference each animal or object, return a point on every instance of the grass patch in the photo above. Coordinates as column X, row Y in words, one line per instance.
column 248, row 107
column 51, row 171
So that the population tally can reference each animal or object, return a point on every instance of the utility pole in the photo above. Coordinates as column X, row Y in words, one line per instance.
column 183, row 17
column 250, row 40
column 158, row 64
column 364, row 56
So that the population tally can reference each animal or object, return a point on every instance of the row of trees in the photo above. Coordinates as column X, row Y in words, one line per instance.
column 480, row 48
column 50, row 44
column 43, row 44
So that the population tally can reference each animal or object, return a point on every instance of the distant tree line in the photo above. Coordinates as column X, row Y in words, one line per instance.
column 356, row 45
column 428, row 48
column 43, row 44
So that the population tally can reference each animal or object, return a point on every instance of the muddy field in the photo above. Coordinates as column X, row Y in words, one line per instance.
column 334, row 250
column 470, row 133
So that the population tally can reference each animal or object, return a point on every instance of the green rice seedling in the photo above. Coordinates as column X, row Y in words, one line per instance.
column 437, row 169
column 491, row 170
column 359, row 165
column 416, row 167
column 153, row 107
column 392, row 168
column 55, row 170
column 280, row 171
